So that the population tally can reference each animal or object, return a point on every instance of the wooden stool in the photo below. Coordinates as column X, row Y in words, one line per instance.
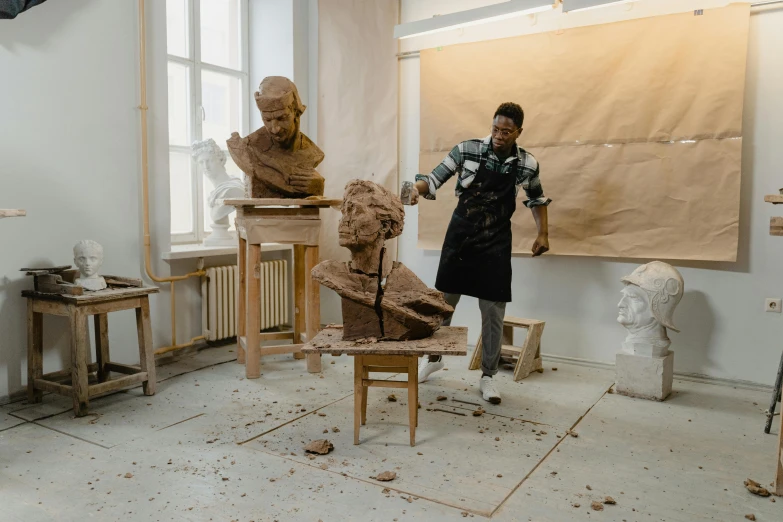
column 287, row 221
column 76, row 308
column 387, row 357
column 528, row 355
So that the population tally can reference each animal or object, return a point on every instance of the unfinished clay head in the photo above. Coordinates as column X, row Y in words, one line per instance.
column 88, row 258
column 210, row 159
column 371, row 214
column 646, row 308
column 280, row 106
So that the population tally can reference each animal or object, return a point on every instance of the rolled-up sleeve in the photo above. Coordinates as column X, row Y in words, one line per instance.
column 443, row 172
column 528, row 178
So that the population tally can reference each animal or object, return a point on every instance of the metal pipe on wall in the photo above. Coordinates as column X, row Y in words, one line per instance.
column 145, row 195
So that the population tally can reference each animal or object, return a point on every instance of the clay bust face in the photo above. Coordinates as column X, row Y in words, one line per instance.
column 283, row 126
column 88, row 257
column 635, row 312
column 360, row 227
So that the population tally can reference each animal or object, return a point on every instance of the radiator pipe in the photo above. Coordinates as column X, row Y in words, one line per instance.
column 145, row 195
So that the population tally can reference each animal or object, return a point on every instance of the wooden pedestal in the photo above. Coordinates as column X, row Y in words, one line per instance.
column 76, row 309
column 289, row 221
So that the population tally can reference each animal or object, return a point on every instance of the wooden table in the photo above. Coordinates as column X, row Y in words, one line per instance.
column 388, row 357
column 76, row 308
column 288, row 221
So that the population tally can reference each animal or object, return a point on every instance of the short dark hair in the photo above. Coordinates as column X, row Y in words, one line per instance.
column 511, row 110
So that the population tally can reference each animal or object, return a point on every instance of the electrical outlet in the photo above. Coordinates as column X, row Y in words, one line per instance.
column 772, row 305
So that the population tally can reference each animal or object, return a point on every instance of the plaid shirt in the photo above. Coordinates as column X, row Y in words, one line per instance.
column 466, row 157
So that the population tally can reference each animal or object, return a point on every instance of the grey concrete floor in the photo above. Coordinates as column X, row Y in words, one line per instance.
column 211, row 445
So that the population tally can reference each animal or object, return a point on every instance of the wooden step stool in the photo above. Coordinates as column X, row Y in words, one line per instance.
column 528, row 355
column 77, row 308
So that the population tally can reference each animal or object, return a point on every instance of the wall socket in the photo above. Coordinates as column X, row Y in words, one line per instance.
column 772, row 305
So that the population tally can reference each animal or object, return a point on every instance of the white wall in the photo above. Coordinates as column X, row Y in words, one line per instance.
column 70, row 156
column 725, row 333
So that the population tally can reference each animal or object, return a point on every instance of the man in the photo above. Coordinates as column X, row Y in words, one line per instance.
column 476, row 255
column 279, row 160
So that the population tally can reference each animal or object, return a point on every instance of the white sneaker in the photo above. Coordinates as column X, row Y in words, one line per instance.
column 427, row 368
column 488, row 390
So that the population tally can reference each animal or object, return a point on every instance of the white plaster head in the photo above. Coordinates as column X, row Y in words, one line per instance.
column 88, row 258
column 210, row 159
column 651, row 293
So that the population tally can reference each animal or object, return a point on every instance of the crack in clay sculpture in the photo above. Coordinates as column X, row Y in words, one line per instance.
column 88, row 257
column 212, row 161
column 646, row 310
column 278, row 158
column 381, row 299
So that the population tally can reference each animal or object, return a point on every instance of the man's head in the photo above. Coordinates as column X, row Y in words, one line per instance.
column 371, row 213
column 506, row 127
column 88, row 257
column 280, row 106
column 209, row 157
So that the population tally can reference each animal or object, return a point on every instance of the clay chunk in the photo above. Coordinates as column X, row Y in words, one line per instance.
column 756, row 488
column 386, row 476
column 320, row 447
column 597, row 506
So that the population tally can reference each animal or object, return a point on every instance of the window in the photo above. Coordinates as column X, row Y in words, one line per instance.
column 207, row 74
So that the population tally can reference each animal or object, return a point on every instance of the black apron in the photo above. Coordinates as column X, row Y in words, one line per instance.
column 476, row 255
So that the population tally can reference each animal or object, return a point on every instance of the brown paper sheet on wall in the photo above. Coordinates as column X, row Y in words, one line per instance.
column 637, row 127
column 357, row 103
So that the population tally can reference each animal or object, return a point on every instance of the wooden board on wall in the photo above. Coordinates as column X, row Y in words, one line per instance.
column 638, row 135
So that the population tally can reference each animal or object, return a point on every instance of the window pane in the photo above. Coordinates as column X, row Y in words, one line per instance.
column 221, row 98
column 234, row 172
column 177, row 27
column 179, row 104
column 181, row 193
column 220, row 35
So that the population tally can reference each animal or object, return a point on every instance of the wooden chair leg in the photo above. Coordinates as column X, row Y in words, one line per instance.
column 34, row 352
column 527, row 362
column 252, row 324
column 413, row 386
column 300, row 302
column 357, row 396
column 475, row 361
column 79, row 376
column 146, row 352
column 241, row 298
column 101, row 322
column 365, row 394
column 313, row 306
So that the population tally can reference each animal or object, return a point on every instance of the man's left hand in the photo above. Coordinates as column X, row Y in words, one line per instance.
column 540, row 245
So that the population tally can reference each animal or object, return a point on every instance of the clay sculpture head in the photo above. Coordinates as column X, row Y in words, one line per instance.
column 280, row 106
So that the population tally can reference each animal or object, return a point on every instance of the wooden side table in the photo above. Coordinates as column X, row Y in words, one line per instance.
column 76, row 308
column 288, row 221
column 388, row 357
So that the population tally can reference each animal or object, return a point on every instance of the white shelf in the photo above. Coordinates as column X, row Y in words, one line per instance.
column 12, row 212
column 195, row 251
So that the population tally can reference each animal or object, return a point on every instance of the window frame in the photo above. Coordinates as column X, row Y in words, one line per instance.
column 195, row 67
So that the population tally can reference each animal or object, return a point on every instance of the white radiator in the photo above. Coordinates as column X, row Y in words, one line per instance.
column 219, row 298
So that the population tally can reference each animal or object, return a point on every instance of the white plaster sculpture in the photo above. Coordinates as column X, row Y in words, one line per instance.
column 88, row 258
column 645, row 367
column 212, row 162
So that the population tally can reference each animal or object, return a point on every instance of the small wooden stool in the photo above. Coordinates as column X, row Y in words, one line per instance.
column 76, row 308
column 288, row 221
column 387, row 357
column 528, row 355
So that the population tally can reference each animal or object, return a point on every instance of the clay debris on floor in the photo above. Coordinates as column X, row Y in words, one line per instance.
column 211, row 445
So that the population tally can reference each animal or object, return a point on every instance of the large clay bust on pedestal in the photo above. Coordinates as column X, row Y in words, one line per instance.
column 402, row 307
column 278, row 158
column 650, row 295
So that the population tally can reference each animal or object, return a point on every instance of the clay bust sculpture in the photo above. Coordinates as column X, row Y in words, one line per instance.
column 279, row 159
column 88, row 258
column 650, row 295
column 212, row 162
column 402, row 307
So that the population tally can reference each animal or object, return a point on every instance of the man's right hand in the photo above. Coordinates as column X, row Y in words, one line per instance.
column 420, row 187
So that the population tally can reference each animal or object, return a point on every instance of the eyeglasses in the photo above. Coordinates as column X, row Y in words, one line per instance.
column 503, row 132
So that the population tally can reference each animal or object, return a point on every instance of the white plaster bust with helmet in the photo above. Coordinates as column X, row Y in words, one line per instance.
column 646, row 310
